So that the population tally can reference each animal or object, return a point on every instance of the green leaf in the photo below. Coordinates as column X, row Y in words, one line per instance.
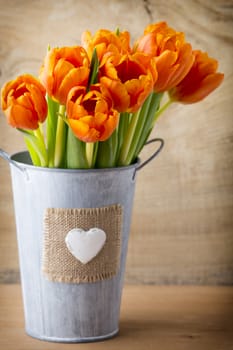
column 94, row 69
column 107, row 151
column 117, row 31
column 137, row 132
column 38, row 145
column 33, row 154
column 76, row 152
column 141, row 125
column 148, row 126
column 91, row 153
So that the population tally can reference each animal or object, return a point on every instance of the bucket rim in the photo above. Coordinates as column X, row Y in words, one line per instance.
column 24, row 166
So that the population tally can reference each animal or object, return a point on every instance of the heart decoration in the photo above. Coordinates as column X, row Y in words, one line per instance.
column 85, row 245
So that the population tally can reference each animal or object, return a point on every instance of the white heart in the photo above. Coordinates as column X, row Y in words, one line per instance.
column 85, row 245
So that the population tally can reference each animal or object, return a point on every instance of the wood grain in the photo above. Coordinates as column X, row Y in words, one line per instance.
column 152, row 317
column 182, row 229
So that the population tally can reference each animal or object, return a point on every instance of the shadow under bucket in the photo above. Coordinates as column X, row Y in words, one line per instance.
column 58, row 311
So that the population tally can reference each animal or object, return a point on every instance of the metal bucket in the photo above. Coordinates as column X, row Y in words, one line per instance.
column 67, row 312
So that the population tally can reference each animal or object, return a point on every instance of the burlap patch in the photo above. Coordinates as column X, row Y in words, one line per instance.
column 59, row 265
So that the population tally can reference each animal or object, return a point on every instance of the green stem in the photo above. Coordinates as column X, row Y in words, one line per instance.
column 161, row 110
column 121, row 133
column 90, row 153
column 129, row 138
column 51, row 128
column 60, row 145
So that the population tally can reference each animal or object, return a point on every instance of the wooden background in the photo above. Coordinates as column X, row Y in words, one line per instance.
column 182, row 229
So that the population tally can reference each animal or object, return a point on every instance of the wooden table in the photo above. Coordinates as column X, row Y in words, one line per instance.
column 152, row 317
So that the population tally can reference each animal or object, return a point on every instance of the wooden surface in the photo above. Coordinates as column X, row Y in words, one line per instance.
column 182, row 230
column 152, row 317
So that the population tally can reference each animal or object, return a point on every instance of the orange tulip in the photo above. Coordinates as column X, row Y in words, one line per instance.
column 106, row 41
column 90, row 115
column 63, row 69
column 201, row 80
column 23, row 101
column 172, row 55
column 127, row 80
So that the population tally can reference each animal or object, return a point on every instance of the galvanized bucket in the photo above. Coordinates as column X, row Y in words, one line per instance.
column 67, row 312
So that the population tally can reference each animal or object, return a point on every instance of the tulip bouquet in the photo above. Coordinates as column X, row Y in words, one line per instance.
column 99, row 102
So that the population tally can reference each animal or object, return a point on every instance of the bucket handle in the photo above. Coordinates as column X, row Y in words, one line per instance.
column 152, row 156
column 7, row 157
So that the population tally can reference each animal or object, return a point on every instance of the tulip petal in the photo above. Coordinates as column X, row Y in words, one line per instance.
column 185, row 63
column 63, row 69
column 206, row 86
column 20, row 117
column 115, row 90
column 106, row 41
column 24, row 103
column 138, row 90
column 200, row 81
column 128, row 71
column 91, row 116
column 76, row 76
column 39, row 103
column 173, row 56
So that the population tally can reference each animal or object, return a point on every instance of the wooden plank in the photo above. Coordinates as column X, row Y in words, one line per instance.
column 177, row 318
column 182, row 228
